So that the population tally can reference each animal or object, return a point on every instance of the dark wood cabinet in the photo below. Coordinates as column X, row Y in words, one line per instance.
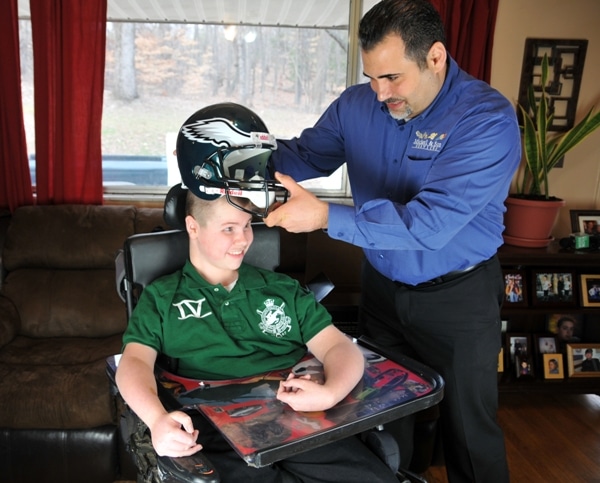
column 529, row 318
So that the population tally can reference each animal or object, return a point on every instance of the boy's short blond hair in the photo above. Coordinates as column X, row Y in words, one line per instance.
column 200, row 208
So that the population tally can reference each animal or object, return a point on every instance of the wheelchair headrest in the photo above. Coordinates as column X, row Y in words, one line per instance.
column 174, row 209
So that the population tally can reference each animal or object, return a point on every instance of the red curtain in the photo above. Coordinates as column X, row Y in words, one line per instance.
column 69, row 38
column 15, row 181
column 470, row 26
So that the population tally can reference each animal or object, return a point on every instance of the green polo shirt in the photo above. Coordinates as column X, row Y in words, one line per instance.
column 263, row 324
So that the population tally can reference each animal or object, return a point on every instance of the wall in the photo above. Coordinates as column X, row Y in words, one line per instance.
column 578, row 182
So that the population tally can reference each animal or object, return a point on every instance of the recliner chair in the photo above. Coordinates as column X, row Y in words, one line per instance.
column 146, row 257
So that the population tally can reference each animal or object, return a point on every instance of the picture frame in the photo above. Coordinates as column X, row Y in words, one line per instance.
column 590, row 290
column 566, row 327
column 585, row 221
column 554, row 288
column 583, row 360
column 519, row 350
column 515, row 288
column 553, row 366
column 524, row 367
column 501, row 360
column 546, row 344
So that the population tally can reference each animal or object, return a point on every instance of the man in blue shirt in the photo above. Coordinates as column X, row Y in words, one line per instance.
column 430, row 153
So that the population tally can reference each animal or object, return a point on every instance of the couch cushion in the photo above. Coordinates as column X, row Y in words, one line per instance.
column 148, row 220
column 50, row 390
column 67, row 236
column 58, row 303
column 60, row 351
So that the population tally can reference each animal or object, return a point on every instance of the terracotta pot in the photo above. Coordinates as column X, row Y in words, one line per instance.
column 529, row 223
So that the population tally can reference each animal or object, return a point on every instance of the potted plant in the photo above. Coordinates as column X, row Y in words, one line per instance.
column 542, row 152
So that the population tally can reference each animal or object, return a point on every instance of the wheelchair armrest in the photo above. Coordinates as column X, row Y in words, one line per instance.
column 189, row 469
column 120, row 275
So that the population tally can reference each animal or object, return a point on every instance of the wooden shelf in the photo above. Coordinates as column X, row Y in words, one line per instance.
column 531, row 319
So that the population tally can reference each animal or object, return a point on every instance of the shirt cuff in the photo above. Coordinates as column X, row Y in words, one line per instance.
column 341, row 223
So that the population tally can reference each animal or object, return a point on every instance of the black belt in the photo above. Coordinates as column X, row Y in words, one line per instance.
column 443, row 278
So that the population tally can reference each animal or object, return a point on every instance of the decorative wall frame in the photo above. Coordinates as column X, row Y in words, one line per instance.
column 565, row 59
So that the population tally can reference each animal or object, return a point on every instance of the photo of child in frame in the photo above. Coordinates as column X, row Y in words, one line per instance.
column 514, row 287
column 567, row 327
column 552, row 287
column 553, row 366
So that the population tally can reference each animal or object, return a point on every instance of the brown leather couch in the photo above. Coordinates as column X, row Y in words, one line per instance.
column 60, row 317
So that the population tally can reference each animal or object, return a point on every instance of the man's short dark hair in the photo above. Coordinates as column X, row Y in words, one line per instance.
column 417, row 22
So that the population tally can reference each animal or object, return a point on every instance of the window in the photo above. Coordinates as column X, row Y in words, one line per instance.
column 159, row 73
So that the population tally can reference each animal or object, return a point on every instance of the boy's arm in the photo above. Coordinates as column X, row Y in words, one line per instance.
column 173, row 433
column 343, row 365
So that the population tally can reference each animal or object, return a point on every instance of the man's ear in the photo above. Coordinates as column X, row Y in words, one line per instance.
column 437, row 56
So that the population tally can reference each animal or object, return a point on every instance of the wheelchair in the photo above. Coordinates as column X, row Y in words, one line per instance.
column 144, row 258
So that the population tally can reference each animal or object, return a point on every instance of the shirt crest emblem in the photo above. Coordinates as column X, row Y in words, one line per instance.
column 273, row 320
column 428, row 141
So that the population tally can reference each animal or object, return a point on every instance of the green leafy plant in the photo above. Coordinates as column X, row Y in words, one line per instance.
column 542, row 150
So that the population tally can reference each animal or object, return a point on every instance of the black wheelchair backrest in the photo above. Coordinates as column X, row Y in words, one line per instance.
column 147, row 256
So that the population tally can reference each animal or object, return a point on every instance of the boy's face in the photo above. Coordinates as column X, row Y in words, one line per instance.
column 218, row 246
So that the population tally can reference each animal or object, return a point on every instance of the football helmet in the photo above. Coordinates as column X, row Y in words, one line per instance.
column 224, row 150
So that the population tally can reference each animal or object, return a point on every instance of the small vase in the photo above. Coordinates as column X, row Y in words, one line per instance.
column 528, row 222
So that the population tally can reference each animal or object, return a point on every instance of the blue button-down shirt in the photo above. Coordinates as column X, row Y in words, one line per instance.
column 428, row 193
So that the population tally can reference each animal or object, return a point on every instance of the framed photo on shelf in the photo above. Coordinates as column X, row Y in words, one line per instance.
column 554, row 288
column 566, row 327
column 501, row 360
column 515, row 288
column 585, row 221
column 553, row 366
column 583, row 360
column 590, row 290
column 518, row 345
column 523, row 366
column 546, row 344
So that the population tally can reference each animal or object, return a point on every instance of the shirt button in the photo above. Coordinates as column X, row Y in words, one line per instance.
column 216, row 289
column 381, row 256
column 226, row 303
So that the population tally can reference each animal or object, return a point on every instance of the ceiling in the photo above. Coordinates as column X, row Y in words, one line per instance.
column 302, row 13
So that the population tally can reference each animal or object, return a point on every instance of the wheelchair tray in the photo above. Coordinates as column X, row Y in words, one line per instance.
column 263, row 430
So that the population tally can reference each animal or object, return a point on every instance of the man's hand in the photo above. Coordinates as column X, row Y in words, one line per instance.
column 303, row 212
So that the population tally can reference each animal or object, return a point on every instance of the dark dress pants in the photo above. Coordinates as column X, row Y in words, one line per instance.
column 455, row 328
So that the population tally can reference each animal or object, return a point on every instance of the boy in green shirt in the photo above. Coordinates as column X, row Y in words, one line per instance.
column 223, row 319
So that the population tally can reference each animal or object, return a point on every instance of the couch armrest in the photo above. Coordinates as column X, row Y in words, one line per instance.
column 10, row 321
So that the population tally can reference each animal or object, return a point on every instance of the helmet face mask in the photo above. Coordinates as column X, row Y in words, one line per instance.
column 224, row 150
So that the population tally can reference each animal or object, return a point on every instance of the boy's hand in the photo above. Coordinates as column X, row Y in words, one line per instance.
column 173, row 434
column 302, row 393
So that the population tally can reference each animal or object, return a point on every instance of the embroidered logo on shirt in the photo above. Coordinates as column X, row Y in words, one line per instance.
column 273, row 319
column 428, row 141
column 191, row 308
